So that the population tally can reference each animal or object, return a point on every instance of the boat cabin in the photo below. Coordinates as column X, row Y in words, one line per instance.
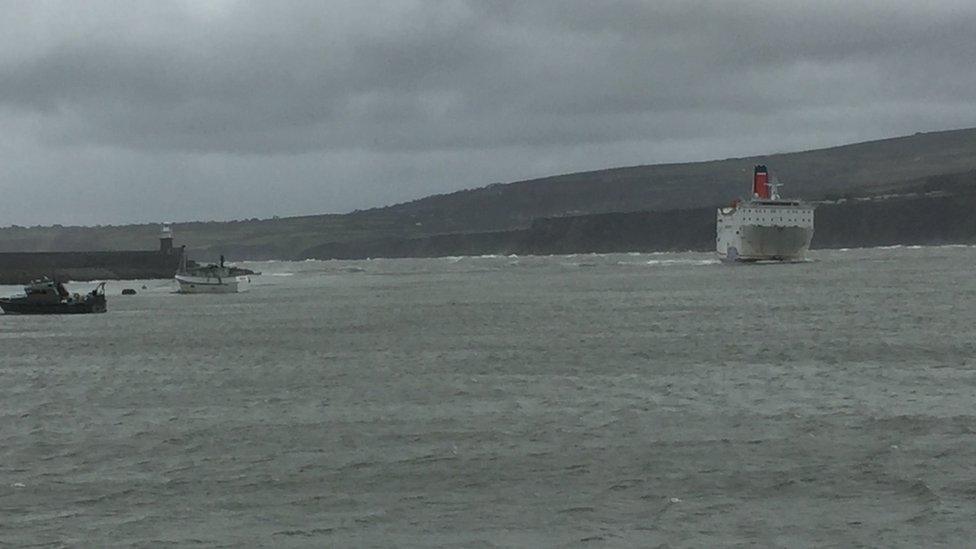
column 46, row 291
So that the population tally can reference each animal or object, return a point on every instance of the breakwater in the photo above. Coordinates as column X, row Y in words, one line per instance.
column 22, row 267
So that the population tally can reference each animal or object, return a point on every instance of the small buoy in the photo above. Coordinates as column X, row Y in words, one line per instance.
column 129, row 291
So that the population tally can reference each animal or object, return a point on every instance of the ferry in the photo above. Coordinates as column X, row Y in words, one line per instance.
column 765, row 228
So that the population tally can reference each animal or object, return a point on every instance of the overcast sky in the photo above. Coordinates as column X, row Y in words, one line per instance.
column 116, row 112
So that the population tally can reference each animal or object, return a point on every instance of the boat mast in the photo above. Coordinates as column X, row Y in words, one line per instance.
column 182, row 268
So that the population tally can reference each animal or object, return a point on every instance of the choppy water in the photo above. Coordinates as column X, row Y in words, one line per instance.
column 616, row 400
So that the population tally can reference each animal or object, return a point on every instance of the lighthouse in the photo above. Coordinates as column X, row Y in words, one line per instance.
column 166, row 240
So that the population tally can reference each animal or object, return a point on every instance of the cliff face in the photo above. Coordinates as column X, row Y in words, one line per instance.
column 675, row 230
column 936, row 220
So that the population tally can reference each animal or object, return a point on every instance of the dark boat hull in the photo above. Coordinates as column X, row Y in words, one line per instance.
column 14, row 307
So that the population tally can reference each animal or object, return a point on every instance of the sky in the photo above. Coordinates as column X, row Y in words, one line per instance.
column 129, row 111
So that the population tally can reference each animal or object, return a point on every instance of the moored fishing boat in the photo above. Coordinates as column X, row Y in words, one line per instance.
column 50, row 297
column 212, row 279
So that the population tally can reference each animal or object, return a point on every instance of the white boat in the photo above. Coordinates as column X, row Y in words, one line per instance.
column 766, row 228
column 211, row 279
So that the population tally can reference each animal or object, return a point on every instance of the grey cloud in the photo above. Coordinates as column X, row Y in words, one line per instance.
column 349, row 86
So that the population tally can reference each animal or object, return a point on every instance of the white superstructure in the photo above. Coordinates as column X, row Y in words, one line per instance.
column 766, row 227
column 211, row 283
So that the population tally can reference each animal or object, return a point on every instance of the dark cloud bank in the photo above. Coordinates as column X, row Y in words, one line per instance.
column 122, row 111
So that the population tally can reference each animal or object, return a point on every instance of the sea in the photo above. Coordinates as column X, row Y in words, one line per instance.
column 621, row 400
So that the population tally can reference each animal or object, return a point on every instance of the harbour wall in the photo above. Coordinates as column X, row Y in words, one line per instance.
column 22, row 267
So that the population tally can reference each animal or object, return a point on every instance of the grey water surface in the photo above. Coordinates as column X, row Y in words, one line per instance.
column 629, row 400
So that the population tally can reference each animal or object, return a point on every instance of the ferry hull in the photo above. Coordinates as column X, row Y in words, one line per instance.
column 763, row 243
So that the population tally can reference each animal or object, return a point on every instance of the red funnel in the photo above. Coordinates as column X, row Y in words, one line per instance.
column 760, row 183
